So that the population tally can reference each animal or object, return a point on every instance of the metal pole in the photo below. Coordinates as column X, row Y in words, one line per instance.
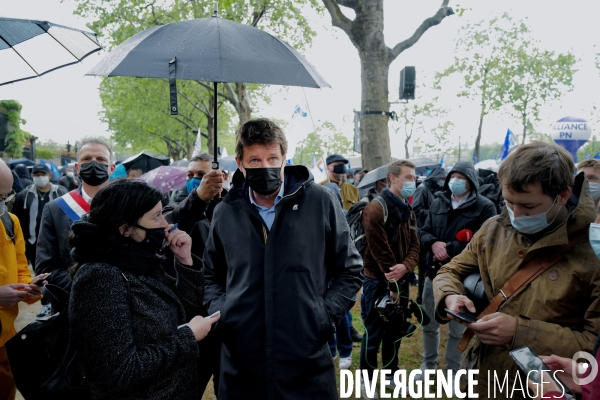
column 459, row 148
column 216, row 162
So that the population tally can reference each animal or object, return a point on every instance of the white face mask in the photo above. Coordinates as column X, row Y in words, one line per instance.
column 70, row 174
column 531, row 224
column 41, row 181
column 595, row 190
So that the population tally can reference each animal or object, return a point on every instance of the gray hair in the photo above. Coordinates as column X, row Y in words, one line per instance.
column 94, row 140
column 203, row 157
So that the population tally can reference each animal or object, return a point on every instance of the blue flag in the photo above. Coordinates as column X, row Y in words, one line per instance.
column 597, row 156
column 53, row 168
column 510, row 141
column 475, row 160
column 442, row 162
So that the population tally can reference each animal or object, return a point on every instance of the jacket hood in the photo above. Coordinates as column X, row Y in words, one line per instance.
column 436, row 174
column 295, row 176
column 22, row 171
column 468, row 170
column 581, row 207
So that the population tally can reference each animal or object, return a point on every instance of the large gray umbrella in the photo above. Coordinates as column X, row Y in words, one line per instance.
column 30, row 48
column 209, row 49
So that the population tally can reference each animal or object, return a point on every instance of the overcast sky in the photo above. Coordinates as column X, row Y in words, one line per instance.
column 64, row 105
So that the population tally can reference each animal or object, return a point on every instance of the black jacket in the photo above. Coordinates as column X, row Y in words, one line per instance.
column 124, row 313
column 443, row 222
column 23, row 174
column 426, row 193
column 277, row 312
column 68, row 183
column 24, row 210
column 53, row 251
column 193, row 216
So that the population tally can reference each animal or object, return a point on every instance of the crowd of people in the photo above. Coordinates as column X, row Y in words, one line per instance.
column 251, row 284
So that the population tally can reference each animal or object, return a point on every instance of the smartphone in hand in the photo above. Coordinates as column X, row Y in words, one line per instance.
column 464, row 317
column 40, row 282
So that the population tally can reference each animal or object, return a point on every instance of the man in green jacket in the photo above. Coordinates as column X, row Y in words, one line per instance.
column 557, row 313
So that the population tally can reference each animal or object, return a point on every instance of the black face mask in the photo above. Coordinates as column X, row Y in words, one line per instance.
column 264, row 181
column 154, row 239
column 93, row 173
column 339, row 169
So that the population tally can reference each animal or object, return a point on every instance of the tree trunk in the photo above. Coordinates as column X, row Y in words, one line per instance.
column 243, row 103
column 476, row 150
column 524, row 120
column 406, row 146
column 374, row 62
column 190, row 148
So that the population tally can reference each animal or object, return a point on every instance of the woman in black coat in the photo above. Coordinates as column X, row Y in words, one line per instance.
column 126, row 314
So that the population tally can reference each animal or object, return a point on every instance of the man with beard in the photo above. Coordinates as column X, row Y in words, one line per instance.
column 94, row 165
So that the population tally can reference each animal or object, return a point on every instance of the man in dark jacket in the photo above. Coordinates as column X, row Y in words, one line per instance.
column 30, row 203
column 392, row 251
column 426, row 194
column 23, row 174
column 53, row 254
column 193, row 212
column 70, row 181
column 276, row 240
column 454, row 217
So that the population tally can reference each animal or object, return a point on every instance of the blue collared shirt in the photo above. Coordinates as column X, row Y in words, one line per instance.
column 267, row 214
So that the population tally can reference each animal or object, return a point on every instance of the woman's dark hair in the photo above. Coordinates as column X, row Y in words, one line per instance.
column 122, row 202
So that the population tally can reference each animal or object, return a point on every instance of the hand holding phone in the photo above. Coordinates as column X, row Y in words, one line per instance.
column 535, row 369
column 464, row 317
column 40, row 282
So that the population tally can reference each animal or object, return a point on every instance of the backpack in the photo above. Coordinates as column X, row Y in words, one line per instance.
column 56, row 373
column 9, row 226
column 354, row 219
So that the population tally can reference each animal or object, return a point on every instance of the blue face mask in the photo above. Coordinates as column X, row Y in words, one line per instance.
column 458, row 186
column 595, row 238
column 408, row 189
column 351, row 181
column 441, row 182
column 531, row 224
column 192, row 184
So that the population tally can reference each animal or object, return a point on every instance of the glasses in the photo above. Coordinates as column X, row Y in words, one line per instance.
column 9, row 196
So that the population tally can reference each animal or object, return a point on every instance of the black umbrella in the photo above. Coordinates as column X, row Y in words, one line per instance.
column 146, row 161
column 25, row 161
column 31, row 48
column 209, row 49
column 371, row 178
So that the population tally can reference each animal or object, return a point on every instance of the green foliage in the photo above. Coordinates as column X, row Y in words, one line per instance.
column 137, row 113
column 137, row 110
column 482, row 61
column 328, row 139
column 538, row 77
column 591, row 147
column 15, row 137
column 425, row 121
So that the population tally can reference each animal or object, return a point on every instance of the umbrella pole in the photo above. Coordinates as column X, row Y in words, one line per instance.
column 215, row 112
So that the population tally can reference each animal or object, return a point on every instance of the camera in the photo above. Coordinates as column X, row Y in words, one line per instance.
column 398, row 311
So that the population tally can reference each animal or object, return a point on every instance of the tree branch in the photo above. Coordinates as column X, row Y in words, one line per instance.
column 442, row 13
column 338, row 19
column 348, row 3
column 224, row 95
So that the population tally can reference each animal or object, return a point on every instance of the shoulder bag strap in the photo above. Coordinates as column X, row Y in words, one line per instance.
column 520, row 280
